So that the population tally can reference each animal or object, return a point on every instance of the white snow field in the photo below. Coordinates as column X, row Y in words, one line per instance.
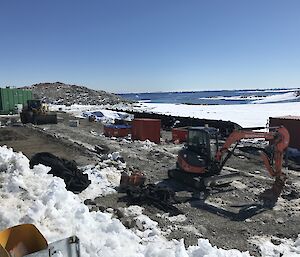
column 246, row 115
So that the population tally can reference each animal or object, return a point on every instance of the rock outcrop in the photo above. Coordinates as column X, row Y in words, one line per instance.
column 60, row 93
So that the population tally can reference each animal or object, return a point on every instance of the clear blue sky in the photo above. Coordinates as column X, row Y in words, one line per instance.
column 151, row 45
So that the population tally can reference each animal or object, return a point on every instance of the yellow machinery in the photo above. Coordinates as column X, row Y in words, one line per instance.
column 37, row 113
column 26, row 241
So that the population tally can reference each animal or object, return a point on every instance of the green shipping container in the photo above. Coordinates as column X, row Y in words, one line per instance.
column 10, row 97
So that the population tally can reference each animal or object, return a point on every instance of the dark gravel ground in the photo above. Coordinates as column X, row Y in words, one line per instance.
column 214, row 219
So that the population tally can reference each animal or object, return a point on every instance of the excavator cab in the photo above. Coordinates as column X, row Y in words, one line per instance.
column 203, row 141
column 200, row 150
column 34, row 105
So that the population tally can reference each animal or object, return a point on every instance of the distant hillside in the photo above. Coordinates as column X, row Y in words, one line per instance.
column 60, row 93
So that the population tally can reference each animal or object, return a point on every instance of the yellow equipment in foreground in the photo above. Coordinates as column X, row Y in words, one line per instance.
column 26, row 241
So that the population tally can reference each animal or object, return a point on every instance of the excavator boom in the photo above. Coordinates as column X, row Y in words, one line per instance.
column 278, row 137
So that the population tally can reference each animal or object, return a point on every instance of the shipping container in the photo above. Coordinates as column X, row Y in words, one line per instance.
column 117, row 130
column 292, row 124
column 143, row 129
column 179, row 135
column 11, row 97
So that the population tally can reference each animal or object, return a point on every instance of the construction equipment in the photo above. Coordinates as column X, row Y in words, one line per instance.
column 200, row 162
column 27, row 241
column 37, row 113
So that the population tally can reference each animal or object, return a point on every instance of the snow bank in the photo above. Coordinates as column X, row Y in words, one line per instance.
column 105, row 177
column 33, row 196
column 103, row 181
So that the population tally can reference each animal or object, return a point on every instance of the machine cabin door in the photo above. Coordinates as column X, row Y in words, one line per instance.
column 204, row 143
column 199, row 143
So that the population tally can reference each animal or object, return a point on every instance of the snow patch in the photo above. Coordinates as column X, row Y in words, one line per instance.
column 285, row 248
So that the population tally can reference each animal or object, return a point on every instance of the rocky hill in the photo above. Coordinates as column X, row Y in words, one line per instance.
column 60, row 93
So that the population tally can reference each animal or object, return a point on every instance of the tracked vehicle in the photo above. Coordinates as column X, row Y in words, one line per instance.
column 200, row 163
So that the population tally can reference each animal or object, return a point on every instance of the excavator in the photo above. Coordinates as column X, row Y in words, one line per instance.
column 26, row 240
column 200, row 162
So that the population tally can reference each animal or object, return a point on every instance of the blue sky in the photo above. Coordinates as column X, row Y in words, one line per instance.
column 151, row 45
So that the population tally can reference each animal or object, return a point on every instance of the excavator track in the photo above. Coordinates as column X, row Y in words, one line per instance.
column 201, row 183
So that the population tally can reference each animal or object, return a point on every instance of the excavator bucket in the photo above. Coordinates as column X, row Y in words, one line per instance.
column 270, row 196
column 45, row 118
column 21, row 240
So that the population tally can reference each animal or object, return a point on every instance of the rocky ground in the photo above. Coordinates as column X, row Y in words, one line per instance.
column 215, row 218
column 60, row 93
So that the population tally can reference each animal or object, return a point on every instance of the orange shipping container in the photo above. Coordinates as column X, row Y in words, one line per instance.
column 292, row 124
column 143, row 129
column 179, row 134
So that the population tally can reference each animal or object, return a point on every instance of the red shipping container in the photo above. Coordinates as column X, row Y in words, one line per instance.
column 179, row 134
column 117, row 130
column 143, row 129
column 292, row 124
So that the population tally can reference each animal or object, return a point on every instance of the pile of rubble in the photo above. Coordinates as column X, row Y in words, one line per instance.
column 60, row 93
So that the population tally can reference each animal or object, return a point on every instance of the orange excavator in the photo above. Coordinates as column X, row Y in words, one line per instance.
column 201, row 161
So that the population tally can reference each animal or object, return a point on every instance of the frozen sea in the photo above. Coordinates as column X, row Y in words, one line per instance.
column 223, row 97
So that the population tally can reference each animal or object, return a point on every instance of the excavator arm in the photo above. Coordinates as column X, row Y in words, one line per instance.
column 279, row 140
